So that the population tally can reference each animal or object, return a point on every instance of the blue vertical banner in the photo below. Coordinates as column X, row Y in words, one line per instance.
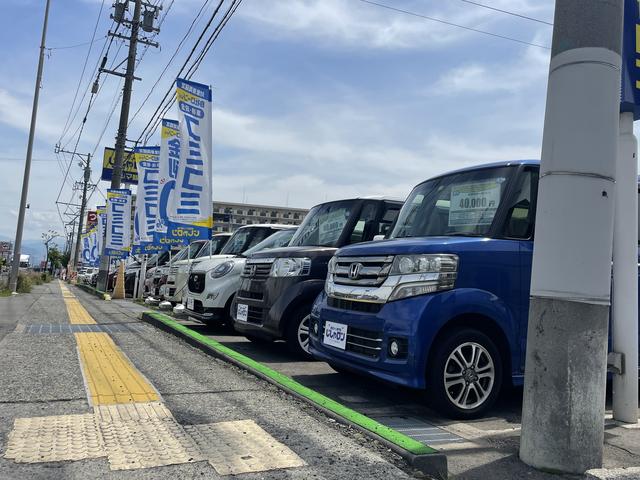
column 118, row 242
column 630, row 91
column 89, row 253
column 168, row 171
column 190, row 210
column 101, row 212
column 147, row 195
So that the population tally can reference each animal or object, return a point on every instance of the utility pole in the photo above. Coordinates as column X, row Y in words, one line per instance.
column 150, row 13
column 13, row 280
column 85, row 162
column 566, row 360
column 83, row 207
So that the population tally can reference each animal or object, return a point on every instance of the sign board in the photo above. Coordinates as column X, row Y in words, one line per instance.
column 129, row 170
column 630, row 91
column 92, row 219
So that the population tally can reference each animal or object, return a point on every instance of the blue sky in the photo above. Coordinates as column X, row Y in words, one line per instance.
column 313, row 99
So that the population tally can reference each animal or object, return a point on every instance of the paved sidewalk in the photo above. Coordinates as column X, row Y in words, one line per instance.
column 97, row 394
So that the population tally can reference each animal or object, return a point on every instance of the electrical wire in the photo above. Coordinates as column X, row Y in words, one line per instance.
column 507, row 12
column 66, row 47
column 166, row 67
column 184, row 65
column 196, row 64
column 451, row 24
column 84, row 67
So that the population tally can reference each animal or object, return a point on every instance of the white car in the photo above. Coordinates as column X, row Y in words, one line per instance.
column 213, row 282
column 179, row 272
column 161, row 274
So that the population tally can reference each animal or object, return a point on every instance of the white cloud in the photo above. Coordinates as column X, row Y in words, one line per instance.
column 356, row 23
column 511, row 76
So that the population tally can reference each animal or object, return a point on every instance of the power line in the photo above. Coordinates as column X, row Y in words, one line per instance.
column 156, row 118
column 84, row 66
column 166, row 67
column 78, row 45
column 193, row 49
column 507, row 12
column 451, row 24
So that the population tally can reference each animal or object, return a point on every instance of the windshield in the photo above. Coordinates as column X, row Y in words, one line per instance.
column 181, row 255
column 462, row 204
column 245, row 238
column 195, row 248
column 324, row 224
column 216, row 245
column 277, row 240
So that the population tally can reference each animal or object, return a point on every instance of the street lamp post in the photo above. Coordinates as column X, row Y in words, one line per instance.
column 48, row 237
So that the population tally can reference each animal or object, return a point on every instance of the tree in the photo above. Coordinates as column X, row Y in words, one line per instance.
column 55, row 257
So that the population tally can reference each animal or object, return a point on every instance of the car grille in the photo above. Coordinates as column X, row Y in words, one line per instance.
column 364, row 342
column 342, row 304
column 362, row 271
column 173, row 270
column 250, row 295
column 197, row 306
column 196, row 282
column 254, row 315
column 257, row 268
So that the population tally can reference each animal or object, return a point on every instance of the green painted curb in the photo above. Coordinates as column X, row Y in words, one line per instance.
column 387, row 433
column 93, row 291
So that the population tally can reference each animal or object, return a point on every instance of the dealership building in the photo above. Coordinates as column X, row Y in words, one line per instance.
column 228, row 216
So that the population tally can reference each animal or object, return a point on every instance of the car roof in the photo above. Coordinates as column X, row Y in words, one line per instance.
column 277, row 226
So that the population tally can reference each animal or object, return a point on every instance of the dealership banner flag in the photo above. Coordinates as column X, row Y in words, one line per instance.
column 118, row 242
column 190, row 209
column 146, row 206
column 168, row 170
column 101, row 212
column 89, row 252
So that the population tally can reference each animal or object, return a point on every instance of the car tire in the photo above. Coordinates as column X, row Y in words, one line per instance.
column 464, row 375
column 297, row 333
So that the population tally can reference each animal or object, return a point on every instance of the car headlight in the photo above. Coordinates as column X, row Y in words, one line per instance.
column 331, row 267
column 290, row 267
column 422, row 274
column 221, row 270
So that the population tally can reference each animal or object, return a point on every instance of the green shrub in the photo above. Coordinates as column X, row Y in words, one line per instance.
column 24, row 283
column 45, row 277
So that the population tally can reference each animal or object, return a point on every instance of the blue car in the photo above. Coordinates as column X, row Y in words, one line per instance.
column 443, row 303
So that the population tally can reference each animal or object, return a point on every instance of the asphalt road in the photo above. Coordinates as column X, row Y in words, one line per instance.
column 41, row 376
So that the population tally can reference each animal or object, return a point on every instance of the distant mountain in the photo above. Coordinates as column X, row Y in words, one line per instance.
column 35, row 248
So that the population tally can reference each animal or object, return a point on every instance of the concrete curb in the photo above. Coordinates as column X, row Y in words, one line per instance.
column 93, row 291
column 416, row 454
column 630, row 473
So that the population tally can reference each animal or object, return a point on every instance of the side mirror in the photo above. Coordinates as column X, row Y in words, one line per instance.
column 378, row 237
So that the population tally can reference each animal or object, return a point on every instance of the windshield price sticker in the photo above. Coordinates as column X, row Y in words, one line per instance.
column 335, row 335
column 331, row 226
column 474, row 203
column 243, row 312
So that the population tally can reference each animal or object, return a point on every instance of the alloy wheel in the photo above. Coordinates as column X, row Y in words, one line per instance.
column 469, row 375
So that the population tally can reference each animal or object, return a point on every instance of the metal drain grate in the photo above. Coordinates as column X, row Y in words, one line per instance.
column 420, row 430
column 47, row 328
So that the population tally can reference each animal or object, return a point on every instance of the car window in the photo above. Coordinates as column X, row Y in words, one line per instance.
column 520, row 215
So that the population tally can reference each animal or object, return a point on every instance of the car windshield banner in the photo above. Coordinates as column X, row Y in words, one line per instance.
column 190, row 210
column 147, row 161
column 89, row 252
column 118, row 241
column 168, row 170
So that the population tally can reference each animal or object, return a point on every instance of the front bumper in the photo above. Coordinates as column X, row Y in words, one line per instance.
column 269, row 300
column 369, row 334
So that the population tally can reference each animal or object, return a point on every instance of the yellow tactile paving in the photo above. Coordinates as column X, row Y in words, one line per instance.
column 77, row 313
column 110, row 376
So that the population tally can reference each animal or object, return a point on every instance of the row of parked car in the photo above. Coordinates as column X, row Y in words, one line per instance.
column 431, row 293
